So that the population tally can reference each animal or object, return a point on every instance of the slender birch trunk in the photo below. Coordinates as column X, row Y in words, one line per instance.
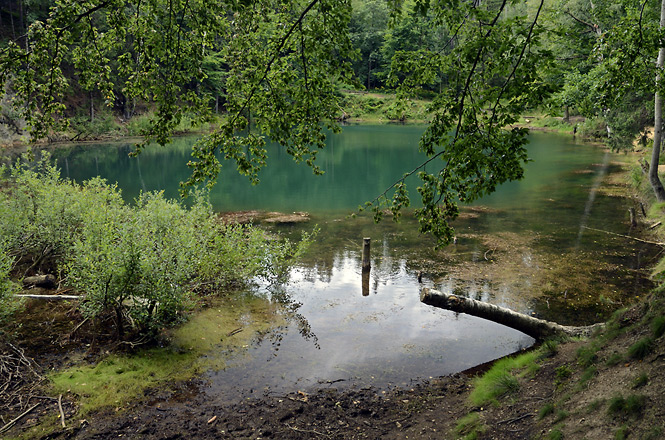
column 654, row 180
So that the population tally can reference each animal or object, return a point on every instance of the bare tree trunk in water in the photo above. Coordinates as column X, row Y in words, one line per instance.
column 536, row 328
column 654, row 180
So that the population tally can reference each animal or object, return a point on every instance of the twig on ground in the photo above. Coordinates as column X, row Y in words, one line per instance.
column 9, row 425
column 516, row 419
column 62, row 413
column 309, row 431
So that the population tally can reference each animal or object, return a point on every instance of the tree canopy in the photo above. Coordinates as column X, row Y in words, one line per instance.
column 276, row 68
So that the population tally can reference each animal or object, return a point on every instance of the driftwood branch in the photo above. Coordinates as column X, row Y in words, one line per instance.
column 538, row 329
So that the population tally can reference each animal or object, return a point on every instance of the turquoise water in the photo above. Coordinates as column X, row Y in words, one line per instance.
column 527, row 247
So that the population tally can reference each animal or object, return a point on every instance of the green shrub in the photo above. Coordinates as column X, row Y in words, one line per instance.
column 563, row 372
column 42, row 214
column 8, row 304
column 138, row 265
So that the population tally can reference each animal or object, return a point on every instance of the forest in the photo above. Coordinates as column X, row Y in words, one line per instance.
column 247, row 74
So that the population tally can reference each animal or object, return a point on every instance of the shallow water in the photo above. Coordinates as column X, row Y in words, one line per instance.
column 526, row 246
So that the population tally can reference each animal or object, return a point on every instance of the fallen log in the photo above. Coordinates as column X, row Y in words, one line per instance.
column 538, row 329
column 46, row 281
column 49, row 297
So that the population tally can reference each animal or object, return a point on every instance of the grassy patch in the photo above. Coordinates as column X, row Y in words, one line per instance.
column 622, row 433
column 640, row 381
column 383, row 107
column 587, row 375
column 546, row 411
column 499, row 380
column 641, row 348
column 595, row 405
column 658, row 326
column 555, row 434
column 561, row 415
column 613, row 360
column 469, row 427
column 631, row 406
column 587, row 355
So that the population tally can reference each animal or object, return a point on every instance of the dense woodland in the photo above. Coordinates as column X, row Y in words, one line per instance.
column 596, row 59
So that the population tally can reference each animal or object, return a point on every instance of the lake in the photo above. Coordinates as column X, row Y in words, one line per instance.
column 541, row 245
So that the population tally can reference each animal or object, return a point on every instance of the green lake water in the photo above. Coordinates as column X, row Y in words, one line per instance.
column 528, row 246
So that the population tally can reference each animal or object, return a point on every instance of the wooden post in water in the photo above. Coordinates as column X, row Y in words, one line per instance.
column 366, row 263
column 633, row 217
column 366, row 266
column 366, row 282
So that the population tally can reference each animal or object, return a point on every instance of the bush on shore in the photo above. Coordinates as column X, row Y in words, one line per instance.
column 141, row 265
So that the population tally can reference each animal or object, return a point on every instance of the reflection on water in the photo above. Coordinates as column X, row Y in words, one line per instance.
column 383, row 339
column 525, row 246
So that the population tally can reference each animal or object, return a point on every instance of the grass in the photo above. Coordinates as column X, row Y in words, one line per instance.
column 546, row 411
column 640, row 381
column 469, row 427
column 658, row 326
column 641, row 348
column 555, row 434
column 629, row 407
column 613, row 360
column 499, row 380
column 587, row 355
column 622, row 433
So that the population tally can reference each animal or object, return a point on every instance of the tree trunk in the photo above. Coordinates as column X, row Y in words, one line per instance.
column 566, row 114
column 654, row 180
column 538, row 329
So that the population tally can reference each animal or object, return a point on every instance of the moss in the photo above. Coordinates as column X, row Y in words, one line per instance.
column 121, row 378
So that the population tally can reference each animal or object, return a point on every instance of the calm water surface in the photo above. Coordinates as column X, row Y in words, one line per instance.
column 526, row 246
